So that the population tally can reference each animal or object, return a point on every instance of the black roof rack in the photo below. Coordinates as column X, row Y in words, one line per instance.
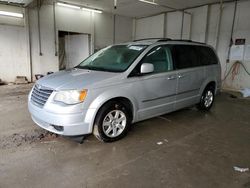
column 169, row 39
column 158, row 39
column 186, row 40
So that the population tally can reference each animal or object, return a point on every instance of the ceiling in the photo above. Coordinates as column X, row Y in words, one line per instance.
column 132, row 8
column 135, row 8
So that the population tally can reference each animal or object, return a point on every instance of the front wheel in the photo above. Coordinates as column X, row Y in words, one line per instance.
column 112, row 122
column 207, row 99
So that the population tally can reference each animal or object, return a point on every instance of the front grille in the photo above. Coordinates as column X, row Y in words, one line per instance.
column 40, row 95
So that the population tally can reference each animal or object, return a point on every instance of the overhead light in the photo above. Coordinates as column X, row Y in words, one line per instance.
column 78, row 7
column 12, row 14
column 92, row 10
column 149, row 2
column 68, row 5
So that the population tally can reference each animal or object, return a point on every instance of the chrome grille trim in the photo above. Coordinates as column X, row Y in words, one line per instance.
column 40, row 95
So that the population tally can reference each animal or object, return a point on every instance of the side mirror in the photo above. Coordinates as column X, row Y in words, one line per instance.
column 147, row 68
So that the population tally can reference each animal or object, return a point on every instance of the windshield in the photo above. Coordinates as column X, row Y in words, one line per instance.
column 113, row 58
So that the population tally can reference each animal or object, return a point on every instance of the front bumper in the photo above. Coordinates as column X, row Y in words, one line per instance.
column 73, row 123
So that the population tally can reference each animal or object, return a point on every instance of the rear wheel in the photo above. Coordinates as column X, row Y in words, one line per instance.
column 112, row 122
column 207, row 99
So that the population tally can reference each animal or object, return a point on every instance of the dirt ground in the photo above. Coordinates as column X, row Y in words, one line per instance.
column 187, row 148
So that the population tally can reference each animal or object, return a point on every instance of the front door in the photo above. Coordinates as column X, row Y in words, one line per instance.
column 156, row 91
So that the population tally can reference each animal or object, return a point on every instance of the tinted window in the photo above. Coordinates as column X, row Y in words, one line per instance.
column 185, row 56
column 207, row 55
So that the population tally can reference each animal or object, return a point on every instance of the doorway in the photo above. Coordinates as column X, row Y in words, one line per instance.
column 73, row 48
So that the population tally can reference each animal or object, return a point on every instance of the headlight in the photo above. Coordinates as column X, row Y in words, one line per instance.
column 71, row 96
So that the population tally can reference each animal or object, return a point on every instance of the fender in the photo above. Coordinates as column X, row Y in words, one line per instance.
column 107, row 95
column 206, row 82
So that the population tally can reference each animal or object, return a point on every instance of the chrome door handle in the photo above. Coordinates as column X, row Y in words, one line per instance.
column 171, row 77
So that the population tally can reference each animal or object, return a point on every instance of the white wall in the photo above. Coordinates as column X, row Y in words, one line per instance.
column 104, row 28
column 13, row 52
column 164, row 25
column 99, row 26
column 41, row 64
column 187, row 21
column 107, row 24
column 76, row 49
column 202, row 26
column 174, row 24
column 74, row 20
column 14, row 56
column 123, row 29
column 241, row 30
column 66, row 20
column 199, row 23
column 214, row 13
column 151, row 27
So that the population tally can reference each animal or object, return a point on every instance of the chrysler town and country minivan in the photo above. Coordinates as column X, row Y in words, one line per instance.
column 123, row 84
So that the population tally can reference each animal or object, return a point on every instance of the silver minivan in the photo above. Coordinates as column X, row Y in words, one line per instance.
column 123, row 84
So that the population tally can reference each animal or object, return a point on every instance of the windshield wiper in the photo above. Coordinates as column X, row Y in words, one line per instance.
column 82, row 67
column 95, row 68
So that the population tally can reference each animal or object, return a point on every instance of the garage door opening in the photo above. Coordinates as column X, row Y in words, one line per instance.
column 73, row 48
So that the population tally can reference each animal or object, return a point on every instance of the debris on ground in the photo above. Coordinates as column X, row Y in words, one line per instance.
column 233, row 96
column 1, row 82
column 78, row 139
column 245, row 92
column 163, row 118
column 47, row 136
column 18, row 139
column 239, row 169
column 159, row 143
column 162, row 142
column 38, row 76
column 21, row 80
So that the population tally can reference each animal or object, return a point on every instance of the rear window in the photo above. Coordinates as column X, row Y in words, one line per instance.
column 185, row 56
column 207, row 55
column 188, row 56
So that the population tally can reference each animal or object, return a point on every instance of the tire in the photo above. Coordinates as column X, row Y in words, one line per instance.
column 207, row 99
column 112, row 122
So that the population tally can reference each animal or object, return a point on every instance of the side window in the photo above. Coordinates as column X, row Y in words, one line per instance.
column 160, row 57
column 185, row 56
column 207, row 56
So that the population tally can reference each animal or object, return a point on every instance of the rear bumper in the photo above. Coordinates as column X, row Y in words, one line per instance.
column 72, row 124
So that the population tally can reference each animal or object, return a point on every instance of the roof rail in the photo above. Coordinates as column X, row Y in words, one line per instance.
column 168, row 39
column 158, row 39
column 186, row 40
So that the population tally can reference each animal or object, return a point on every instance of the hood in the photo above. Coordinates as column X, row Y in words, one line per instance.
column 75, row 79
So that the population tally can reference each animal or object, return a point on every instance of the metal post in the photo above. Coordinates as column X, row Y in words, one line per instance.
column 218, row 27
column 232, row 30
column 55, row 31
column 38, row 26
column 182, row 24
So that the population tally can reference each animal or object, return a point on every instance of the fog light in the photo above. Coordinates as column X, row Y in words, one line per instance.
column 58, row 128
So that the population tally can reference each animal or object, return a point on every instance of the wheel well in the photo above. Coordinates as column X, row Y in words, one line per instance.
column 125, row 101
column 212, row 85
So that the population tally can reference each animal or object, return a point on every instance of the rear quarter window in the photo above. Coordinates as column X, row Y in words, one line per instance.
column 207, row 55
column 185, row 56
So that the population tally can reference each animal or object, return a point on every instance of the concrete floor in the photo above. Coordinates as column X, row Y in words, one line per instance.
column 187, row 148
